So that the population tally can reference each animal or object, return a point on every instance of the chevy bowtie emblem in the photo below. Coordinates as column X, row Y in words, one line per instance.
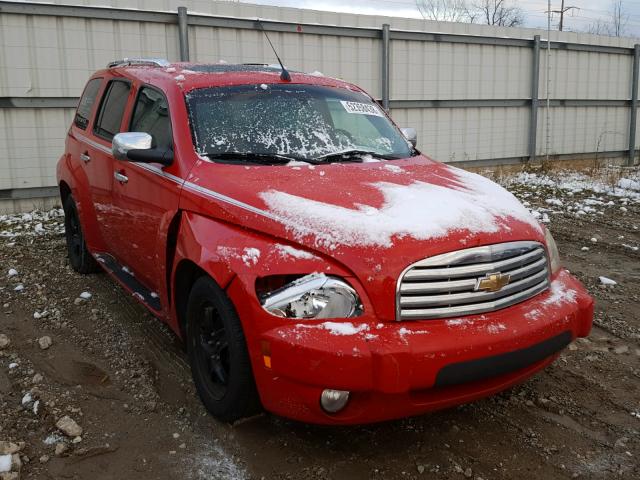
column 493, row 282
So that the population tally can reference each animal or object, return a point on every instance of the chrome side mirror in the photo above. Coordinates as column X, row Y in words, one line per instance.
column 123, row 142
column 411, row 135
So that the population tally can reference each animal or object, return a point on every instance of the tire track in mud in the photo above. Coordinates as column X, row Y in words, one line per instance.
column 217, row 454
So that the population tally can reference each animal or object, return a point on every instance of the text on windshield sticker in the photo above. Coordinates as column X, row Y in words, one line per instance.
column 361, row 108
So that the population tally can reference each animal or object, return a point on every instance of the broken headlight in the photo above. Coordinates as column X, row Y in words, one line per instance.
column 311, row 297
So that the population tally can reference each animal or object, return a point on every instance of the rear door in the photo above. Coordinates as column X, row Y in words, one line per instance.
column 146, row 195
column 90, row 185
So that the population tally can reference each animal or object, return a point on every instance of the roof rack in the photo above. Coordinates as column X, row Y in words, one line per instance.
column 151, row 62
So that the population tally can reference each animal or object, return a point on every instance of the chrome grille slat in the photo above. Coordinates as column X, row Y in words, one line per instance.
column 420, row 273
column 461, row 310
column 453, row 285
column 474, row 297
column 445, row 285
column 470, row 283
column 529, row 269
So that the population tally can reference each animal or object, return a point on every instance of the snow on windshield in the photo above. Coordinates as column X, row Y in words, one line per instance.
column 300, row 121
column 420, row 210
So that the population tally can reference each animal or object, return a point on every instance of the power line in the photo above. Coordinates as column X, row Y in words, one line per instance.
column 562, row 11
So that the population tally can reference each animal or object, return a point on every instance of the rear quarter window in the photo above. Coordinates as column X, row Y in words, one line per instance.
column 83, row 112
column 112, row 108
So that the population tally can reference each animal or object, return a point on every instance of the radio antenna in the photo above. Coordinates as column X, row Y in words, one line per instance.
column 284, row 75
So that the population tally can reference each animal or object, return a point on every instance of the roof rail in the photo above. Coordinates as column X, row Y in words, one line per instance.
column 151, row 62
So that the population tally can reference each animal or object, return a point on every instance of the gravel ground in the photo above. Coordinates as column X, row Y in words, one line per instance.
column 91, row 386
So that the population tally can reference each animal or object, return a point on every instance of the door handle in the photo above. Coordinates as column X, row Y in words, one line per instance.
column 85, row 157
column 120, row 177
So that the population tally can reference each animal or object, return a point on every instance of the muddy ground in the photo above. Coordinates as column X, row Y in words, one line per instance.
column 123, row 378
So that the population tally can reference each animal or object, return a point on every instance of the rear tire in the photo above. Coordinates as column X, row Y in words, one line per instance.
column 80, row 258
column 218, row 354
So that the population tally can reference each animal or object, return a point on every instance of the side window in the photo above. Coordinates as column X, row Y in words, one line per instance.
column 112, row 108
column 87, row 100
column 151, row 115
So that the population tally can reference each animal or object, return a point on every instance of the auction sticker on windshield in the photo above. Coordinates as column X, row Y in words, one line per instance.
column 361, row 108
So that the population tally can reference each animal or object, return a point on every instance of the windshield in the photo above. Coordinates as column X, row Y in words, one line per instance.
column 305, row 122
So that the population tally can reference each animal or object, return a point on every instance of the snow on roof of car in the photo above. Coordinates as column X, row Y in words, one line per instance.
column 230, row 67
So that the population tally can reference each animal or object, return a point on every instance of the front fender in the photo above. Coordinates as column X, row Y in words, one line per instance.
column 229, row 253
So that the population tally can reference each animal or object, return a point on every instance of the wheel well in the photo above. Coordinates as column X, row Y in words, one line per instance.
column 65, row 191
column 187, row 273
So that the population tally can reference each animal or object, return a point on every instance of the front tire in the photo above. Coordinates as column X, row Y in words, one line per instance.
column 80, row 258
column 218, row 355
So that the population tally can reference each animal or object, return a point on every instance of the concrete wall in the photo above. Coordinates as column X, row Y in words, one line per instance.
column 468, row 95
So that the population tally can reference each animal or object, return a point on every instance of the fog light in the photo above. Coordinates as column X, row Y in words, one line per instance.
column 333, row 401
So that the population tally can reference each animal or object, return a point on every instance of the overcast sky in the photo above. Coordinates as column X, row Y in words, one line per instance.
column 590, row 10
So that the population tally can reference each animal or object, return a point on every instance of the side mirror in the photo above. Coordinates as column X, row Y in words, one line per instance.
column 137, row 147
column 411, row 135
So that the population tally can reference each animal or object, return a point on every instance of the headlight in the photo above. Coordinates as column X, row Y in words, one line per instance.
column 313, row 296
column 552, row 248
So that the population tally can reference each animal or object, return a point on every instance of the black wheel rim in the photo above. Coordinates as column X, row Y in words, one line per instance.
column 212, row 350
column 74, row 234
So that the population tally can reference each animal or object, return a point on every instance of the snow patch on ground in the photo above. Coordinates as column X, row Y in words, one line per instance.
column 216, row 464
column 32, row 224
column 53, row 438
column 5, row 463
column 577, row 194
column 469, row 200
column 576, row 182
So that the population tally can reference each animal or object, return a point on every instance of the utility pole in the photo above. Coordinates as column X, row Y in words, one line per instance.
column 562, row 11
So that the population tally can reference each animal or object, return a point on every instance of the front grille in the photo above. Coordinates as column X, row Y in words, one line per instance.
column 447, row 285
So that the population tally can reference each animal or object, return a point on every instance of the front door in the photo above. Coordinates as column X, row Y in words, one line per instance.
column 145, row 195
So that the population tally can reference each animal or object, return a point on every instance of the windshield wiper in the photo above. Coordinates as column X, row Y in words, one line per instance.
column 262, row 158
column 352, row 156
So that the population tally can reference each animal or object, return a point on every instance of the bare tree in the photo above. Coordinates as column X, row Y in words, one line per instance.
column 619, row 18
column 615, row 25
column 444, row 10
column 498, row 12
column 599, row 27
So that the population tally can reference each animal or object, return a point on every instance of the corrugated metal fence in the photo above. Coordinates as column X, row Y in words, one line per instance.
column 474, row 93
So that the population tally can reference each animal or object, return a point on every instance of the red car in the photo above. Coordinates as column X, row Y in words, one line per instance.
column 314, row 262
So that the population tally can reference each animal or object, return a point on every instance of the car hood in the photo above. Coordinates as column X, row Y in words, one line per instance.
column 375, row 218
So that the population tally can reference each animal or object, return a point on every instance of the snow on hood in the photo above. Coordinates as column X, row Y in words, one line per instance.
column 421, row 210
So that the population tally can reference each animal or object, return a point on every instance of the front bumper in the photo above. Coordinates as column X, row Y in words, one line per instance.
column 400, row 369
